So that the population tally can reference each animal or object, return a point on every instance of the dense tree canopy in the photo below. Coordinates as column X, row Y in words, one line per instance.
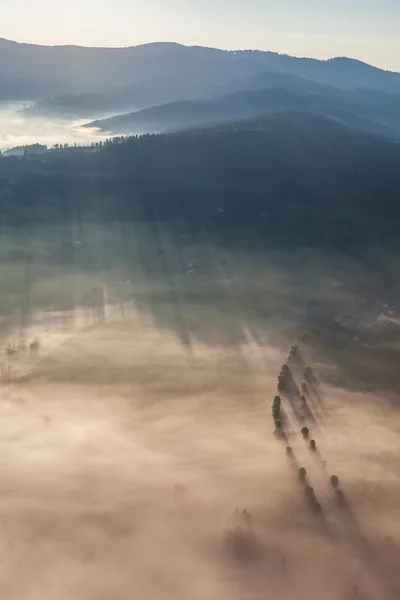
column 292, row 178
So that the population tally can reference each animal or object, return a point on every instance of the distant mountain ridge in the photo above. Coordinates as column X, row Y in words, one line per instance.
column 74, row 69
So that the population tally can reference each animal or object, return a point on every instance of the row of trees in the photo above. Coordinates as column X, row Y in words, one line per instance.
column 285, row 386
column 118, row 139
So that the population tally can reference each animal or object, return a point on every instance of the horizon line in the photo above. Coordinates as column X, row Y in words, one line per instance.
column 153, row 43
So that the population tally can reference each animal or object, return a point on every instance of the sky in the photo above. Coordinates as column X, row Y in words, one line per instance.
column 364, row 29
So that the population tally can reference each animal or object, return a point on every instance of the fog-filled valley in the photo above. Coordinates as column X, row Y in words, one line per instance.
column 200, row 335
column 17, row 129
column 141, row 418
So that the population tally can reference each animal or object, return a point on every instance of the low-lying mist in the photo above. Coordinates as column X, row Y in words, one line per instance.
column 18, row 130
column 124, row 459
column 142, row 419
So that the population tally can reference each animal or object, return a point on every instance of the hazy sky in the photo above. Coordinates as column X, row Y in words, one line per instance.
column 365, row 29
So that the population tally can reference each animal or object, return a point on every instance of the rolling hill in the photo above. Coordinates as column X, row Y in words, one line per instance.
column 370, row 115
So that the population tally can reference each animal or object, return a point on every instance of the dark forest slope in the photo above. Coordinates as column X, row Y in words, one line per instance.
column 309, row 171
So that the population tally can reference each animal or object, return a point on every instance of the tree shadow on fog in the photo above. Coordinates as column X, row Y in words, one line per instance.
column 192, row 286
column 312, row 503
column 367, row 550
column 317, row 413
column 313, row 406
column 302, row 409
column 222, row 300
column 316, row 397
column 94, row 301
column 315, row 451
column 353, row 531
column 308, row 413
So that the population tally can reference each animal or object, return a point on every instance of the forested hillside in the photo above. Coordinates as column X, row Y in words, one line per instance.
column 317, row 179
